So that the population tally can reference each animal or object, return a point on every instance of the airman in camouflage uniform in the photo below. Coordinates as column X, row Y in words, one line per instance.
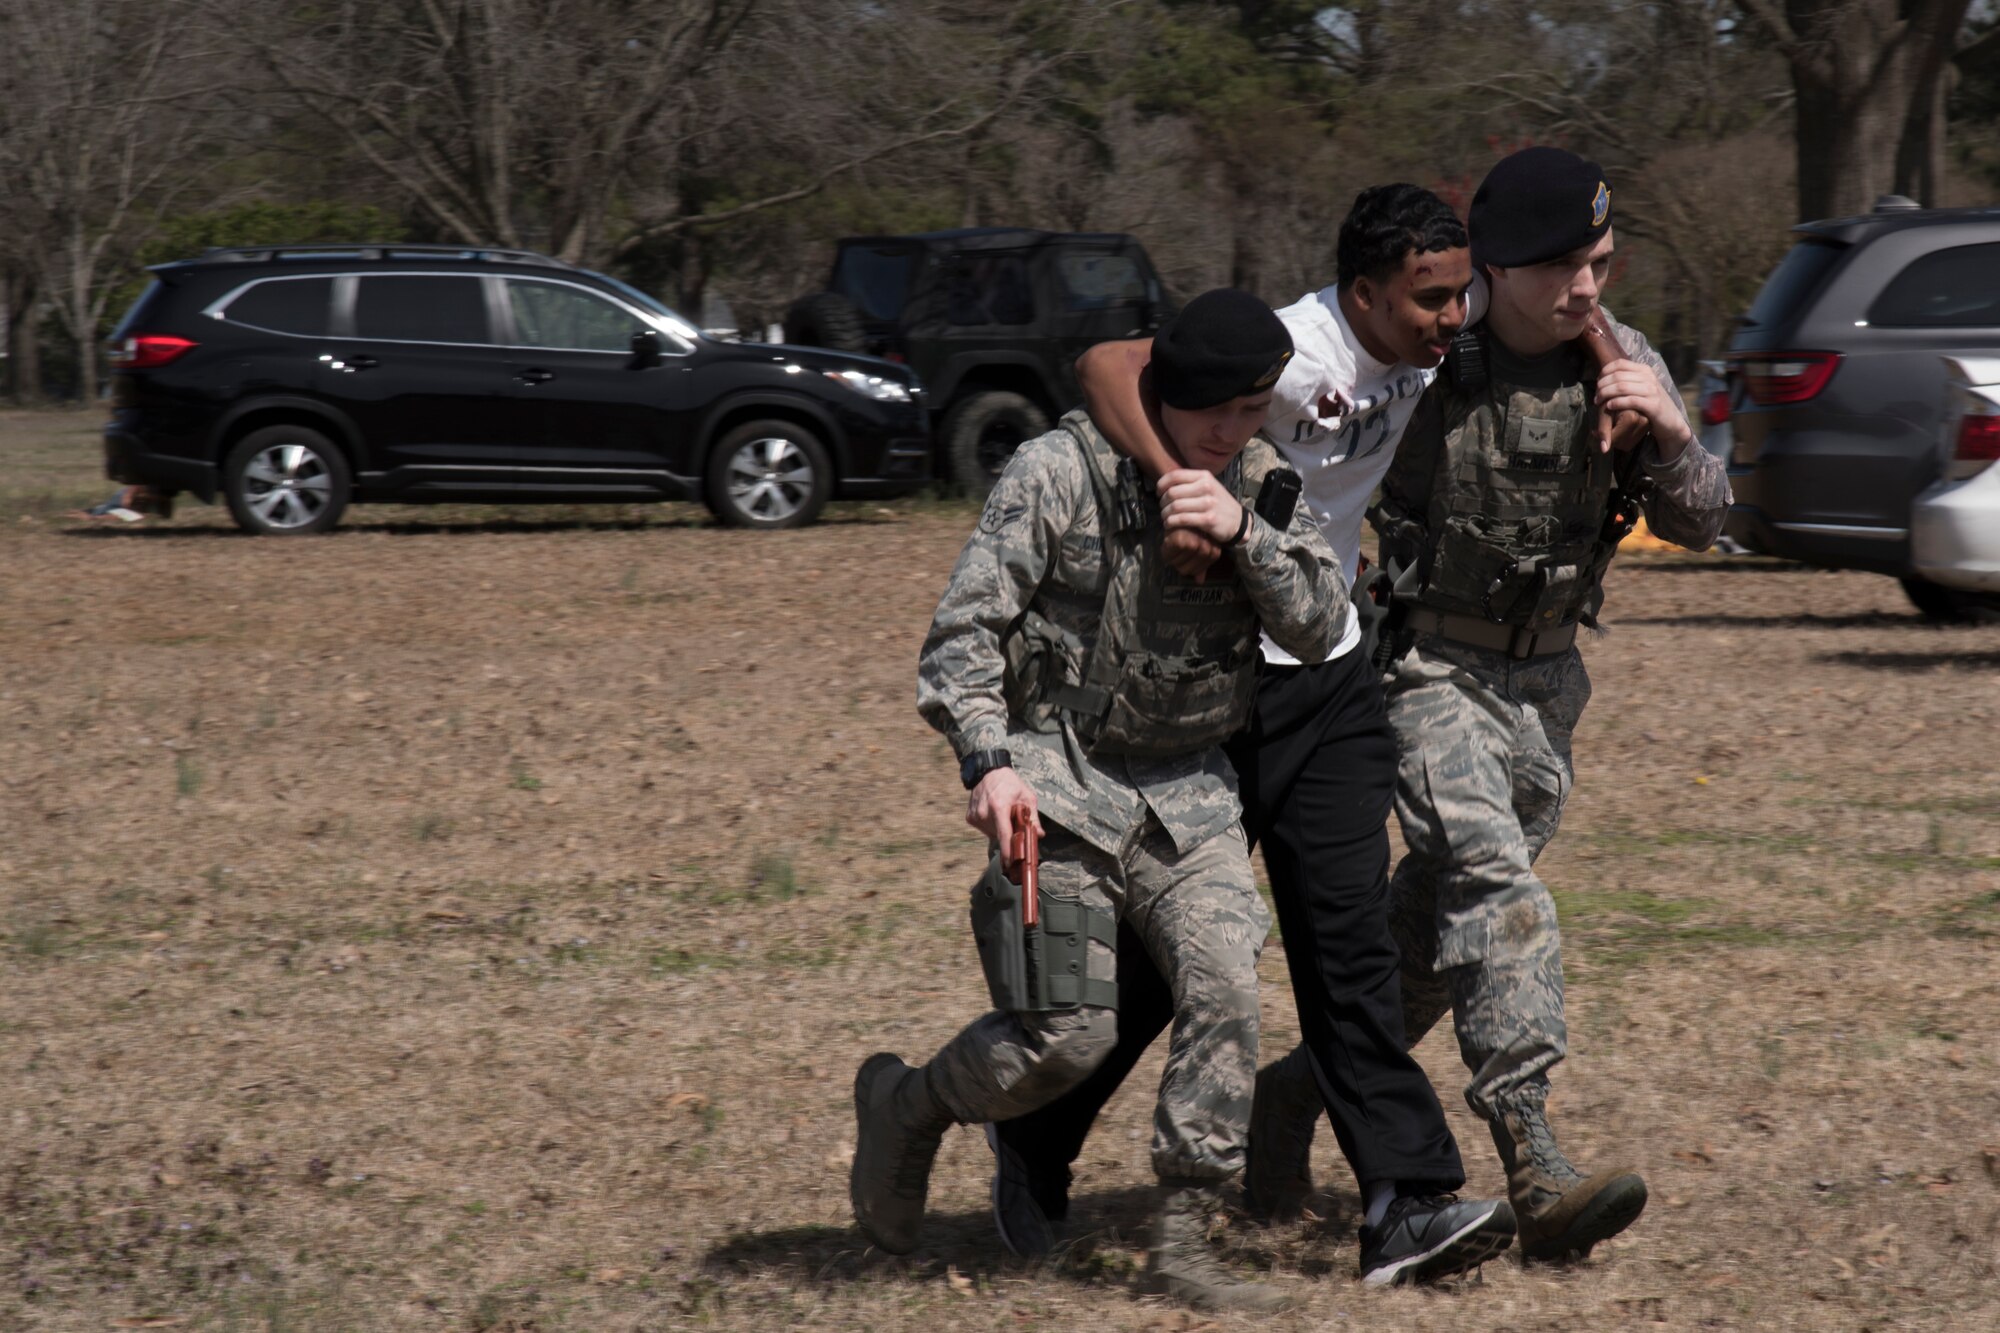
column 1499, row 495
column 1143, row 807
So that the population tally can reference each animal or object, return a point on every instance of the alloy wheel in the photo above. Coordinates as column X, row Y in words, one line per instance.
column 287, row 486
column 769, row 479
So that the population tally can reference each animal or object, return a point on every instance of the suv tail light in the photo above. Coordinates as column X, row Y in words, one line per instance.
column 147, row 351
column 1978, row 444
column 1777, row 378
column 1715, row 407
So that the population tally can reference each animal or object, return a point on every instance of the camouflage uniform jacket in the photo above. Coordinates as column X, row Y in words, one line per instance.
column 1039, row 546
column 1690, row 496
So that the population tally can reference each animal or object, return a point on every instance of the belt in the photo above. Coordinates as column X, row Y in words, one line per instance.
column 1515, row 641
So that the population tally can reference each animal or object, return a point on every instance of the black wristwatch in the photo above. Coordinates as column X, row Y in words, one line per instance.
column 981, row 762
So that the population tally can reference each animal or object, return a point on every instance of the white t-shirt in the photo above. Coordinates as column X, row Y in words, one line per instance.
column 1336, row 415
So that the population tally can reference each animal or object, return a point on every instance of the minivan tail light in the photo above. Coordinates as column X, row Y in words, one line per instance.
column 1777, row 378
column 1715, row 408
column 148, row 351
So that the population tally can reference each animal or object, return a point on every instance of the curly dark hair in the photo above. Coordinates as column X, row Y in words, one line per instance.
column 1388, row 222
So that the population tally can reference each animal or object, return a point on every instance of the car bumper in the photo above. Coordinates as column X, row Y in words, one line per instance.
column 904, row 465
column 128, row 459
column 1760, row 524
column 1955, row 532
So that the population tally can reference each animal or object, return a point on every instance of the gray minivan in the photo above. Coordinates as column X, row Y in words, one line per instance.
column 1838, row 391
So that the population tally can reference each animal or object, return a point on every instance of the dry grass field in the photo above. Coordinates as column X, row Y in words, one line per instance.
column 472, row 920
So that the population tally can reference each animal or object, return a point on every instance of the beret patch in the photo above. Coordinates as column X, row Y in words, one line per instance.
column 1536, row 205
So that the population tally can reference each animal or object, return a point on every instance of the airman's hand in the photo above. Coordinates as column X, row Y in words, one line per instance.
column 1192, row 498
column 991, row 807
column 1628, row 386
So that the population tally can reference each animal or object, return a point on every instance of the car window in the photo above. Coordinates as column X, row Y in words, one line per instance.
column 413, row 307
column 989, row 289
column 1957, row 288
column 548, row 314
column 283, row 305
column 875, row 277
column 1097, row 280
column 1793, row 282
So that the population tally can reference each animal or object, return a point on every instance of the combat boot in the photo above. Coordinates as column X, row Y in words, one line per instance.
column 1559, row 1212
column 898, row 1126
column 1185, row 1268
column 1284, row 1111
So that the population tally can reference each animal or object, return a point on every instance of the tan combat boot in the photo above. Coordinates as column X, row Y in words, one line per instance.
column 1560, row 1213
column 1185, row 1268
column 898, row 1125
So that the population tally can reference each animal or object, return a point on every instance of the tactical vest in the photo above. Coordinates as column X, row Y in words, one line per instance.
column 1173, row 666
column 1519, row 526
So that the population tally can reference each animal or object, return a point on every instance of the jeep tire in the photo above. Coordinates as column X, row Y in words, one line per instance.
column 825, row 319
column 982, row 431
column 286, row 481
column 768, row 474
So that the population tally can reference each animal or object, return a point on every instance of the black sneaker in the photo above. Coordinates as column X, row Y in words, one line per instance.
column 1025, row 1200
column 1425, row 1237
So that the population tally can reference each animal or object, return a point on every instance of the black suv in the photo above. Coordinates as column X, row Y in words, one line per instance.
column 297, row 380
column 991, row 319
column 1838, row 387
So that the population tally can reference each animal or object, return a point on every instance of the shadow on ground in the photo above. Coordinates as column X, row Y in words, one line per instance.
column 1098, row 1247
column 1915, row 663
column 1792, row 620
column 445, row 527
column 400, row 528
column 1726, row 565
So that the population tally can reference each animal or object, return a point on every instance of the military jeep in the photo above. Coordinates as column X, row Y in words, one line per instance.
column 990, row 319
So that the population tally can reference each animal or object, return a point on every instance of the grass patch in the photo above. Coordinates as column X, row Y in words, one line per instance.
column 1620, row 927
column 772, row 879
column 1975, row 918
column 522, row 780
column 1629, row 842
column 187, row 775
column 679, row 962
column 431, row 828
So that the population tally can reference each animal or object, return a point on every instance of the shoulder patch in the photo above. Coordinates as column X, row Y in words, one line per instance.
column 998, row 515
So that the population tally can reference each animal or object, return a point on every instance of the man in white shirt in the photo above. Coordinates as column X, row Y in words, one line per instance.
column 1317, row 767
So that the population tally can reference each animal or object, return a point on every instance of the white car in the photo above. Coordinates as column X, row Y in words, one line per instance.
column 1955, row 523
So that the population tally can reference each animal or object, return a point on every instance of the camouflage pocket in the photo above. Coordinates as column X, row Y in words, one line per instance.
column 1177, row 706
column 1464, row 937
column 1040, row 656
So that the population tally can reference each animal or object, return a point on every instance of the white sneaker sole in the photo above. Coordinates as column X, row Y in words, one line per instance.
column 1489, row 1247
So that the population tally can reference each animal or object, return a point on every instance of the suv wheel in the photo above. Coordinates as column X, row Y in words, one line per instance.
column 825, row 319
column 768, row 474
column 1949, row 606
column 982, row 431
column 284, row 481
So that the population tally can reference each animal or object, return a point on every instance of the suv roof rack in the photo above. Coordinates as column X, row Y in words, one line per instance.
column 378, row 250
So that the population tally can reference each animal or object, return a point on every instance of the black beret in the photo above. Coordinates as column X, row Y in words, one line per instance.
column 1224, row 344
column 1538, row 204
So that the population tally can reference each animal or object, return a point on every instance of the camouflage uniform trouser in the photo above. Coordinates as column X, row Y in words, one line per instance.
column 1204, row 924
column 1483, row 771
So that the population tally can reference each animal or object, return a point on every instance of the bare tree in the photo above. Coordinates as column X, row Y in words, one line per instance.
column 98, row 126
column 1870, row 81
column 540, row 122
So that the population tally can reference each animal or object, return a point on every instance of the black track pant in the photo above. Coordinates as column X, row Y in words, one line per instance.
column 1318, row 766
